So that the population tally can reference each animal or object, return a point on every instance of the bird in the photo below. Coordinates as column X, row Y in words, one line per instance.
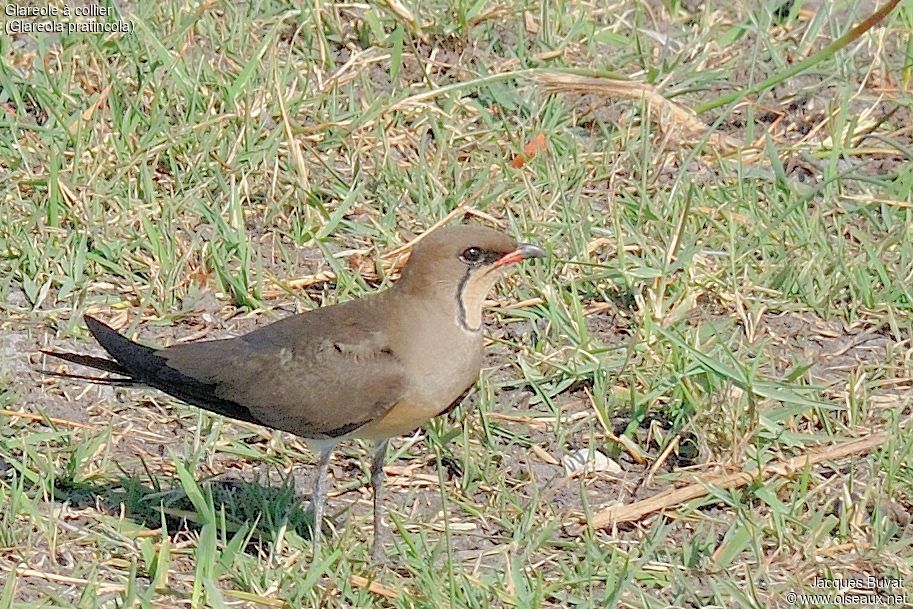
column 371, row 368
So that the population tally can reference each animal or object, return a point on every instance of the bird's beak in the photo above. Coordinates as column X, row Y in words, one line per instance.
column 523, row 251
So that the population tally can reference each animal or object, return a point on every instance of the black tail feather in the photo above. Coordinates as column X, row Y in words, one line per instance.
column 98, row 380
column 99, row 363
column 143, row 365
column 132, row 357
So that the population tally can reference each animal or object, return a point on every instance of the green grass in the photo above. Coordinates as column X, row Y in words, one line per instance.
column 715, row 311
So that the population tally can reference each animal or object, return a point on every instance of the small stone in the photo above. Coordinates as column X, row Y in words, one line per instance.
column 585, row 460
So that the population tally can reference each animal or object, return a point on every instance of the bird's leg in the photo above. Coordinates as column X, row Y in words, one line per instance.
column 377, row 483
column 319, row 497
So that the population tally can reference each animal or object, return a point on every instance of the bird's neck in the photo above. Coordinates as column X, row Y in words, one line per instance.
column 470, row 298
column 460, row 301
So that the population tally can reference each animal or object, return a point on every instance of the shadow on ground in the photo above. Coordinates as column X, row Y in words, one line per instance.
column 265, row 509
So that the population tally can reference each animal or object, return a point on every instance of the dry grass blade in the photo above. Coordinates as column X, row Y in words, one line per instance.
column 400, row 10
column 310, row 280
column 374, row 587
column 685, row 121
column 392, row 254
column 38, row 417
column 17, row 572
column 674, row 497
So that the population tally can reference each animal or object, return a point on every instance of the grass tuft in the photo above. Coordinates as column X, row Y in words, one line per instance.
column 725, row 195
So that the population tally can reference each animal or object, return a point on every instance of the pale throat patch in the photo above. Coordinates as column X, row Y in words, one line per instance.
column 472, row 295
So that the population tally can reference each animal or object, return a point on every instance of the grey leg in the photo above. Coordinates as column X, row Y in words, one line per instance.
column 319, row 497
column 377, row 483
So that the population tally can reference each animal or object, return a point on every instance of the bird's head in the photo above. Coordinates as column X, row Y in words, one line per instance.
column 463, row 262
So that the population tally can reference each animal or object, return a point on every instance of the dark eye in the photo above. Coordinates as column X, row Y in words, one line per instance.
column 472, row 255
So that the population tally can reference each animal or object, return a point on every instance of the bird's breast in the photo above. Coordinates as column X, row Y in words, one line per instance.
column 441, row 367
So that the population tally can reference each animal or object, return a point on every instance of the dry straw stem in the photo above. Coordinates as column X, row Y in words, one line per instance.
column 677, row 496
column 400, row 10
column 392, row 255
column 683, row 119
column 373, row 587
column 40, row 417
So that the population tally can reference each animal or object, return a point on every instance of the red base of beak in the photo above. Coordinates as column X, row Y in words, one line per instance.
column 523, row 251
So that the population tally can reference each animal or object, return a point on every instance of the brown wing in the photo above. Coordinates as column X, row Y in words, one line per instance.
column 323, row 373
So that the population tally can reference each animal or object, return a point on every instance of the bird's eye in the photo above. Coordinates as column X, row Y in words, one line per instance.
column 472, row 255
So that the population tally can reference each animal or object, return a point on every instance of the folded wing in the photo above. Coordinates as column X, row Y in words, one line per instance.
column 288, row 375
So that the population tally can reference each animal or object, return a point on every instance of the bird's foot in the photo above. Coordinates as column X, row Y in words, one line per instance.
column 379, row 555
column 378, row 547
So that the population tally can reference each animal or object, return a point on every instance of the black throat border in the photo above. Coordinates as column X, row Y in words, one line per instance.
column 461, row 308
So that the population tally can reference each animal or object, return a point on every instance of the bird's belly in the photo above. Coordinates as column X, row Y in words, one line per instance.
column 423, row 402
column 403, row 418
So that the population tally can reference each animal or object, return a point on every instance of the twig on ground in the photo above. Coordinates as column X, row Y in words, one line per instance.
column 677, row 496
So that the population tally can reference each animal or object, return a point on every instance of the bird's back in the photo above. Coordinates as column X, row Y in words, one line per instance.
column 321, row 373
